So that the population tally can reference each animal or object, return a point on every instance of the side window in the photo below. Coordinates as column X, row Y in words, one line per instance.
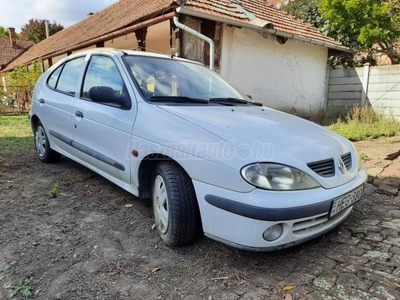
column 65, row 77
column 103, row 73
column 52, row 82
column 69, row 76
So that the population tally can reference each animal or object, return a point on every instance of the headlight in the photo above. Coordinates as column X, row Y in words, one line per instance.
column 277, row 177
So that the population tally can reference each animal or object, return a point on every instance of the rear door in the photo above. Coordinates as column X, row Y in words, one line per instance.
column 57, row 103
column 102, row 131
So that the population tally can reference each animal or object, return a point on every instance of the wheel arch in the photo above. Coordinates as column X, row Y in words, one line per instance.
column 34, row 120
column 146, row 171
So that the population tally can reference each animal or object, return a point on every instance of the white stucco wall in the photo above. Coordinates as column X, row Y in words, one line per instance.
column 288, row 77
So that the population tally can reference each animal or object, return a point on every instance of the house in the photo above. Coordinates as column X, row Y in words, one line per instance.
column 277, row 59
column 11, row 48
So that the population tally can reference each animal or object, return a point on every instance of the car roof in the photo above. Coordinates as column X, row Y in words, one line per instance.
column 121, row 52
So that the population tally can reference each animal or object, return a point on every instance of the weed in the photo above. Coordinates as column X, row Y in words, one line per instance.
column 363, row 156
column 320, row 117
column 365, row 123
column 390, row 141
column 5, row 268
column 23, row 287
column 54, row 191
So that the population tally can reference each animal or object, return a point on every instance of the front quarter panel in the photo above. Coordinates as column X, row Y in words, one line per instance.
column 204, row 156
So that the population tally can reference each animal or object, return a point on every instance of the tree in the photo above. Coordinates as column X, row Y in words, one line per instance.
column 20, row 83
column 3, row 32
column 307, row 11
column 368, row 24
column 35, row 30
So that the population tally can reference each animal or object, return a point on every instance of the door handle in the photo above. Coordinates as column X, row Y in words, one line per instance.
column 79, row 114
column 41, row 100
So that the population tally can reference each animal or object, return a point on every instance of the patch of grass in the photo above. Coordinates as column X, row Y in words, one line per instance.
column 365, row 123
column 15, row 126
column 15, row 133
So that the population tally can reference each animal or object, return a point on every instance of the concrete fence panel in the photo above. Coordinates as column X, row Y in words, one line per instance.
column 377, row 86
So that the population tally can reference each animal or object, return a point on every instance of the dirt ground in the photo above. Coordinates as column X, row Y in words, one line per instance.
column 85, row 244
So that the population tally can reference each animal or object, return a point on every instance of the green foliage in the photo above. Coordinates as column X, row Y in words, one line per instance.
column 23, row 287
column 307, row 11
column 363, row 156
column 35, row 30
column 54, row 191
column 369, row 26
column 365, row 123
column 20, row 83
column 364, row 24
column 3, row 32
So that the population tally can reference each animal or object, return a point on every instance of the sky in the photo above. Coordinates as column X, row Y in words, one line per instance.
column 16, row 13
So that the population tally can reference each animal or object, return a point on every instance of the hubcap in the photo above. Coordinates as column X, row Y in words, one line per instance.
column 40, row 141
column 160, row 204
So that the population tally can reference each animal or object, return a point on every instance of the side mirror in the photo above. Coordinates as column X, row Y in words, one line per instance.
column 104, row 94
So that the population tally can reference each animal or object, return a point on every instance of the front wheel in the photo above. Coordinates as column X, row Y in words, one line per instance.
column 175, row 206
column 42, row 146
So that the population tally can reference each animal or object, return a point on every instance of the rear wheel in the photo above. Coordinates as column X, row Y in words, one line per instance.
column 175, row 206
column 42, row 146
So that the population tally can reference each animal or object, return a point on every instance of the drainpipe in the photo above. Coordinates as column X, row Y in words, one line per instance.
column 200, row 36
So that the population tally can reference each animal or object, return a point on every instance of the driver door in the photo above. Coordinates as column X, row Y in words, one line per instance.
column 102, row 131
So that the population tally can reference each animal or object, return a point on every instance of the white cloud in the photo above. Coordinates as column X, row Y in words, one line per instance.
column 16, row 13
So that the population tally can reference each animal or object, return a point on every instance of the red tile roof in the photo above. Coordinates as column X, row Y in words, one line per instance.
column 124, row 13
column 116, row 16
column 222, row 8
column 8, row 53
column 274, row 2
column 264, row 10
column 284, row 22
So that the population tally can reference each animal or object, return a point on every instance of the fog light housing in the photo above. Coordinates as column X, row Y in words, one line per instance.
column 273, row 233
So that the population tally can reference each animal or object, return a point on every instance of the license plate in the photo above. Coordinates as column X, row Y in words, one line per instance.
column 345, row 201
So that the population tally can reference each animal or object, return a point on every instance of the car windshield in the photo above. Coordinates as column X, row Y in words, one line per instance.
column 173, row 80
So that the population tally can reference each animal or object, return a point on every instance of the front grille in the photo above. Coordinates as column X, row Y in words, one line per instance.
column 324, row 168
column 347, row 160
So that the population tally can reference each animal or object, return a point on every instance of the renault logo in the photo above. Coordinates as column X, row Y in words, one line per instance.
column 342, row 167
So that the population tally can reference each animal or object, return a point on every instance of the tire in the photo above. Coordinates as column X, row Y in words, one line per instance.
column 42, row 146
column 175, row 207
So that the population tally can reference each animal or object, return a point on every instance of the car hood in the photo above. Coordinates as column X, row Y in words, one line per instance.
column 267, row 135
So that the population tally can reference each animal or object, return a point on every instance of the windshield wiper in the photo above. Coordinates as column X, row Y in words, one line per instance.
column 178, row 99
column 232, row 101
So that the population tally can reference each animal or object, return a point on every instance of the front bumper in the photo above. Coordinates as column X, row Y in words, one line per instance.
column 240, row 219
